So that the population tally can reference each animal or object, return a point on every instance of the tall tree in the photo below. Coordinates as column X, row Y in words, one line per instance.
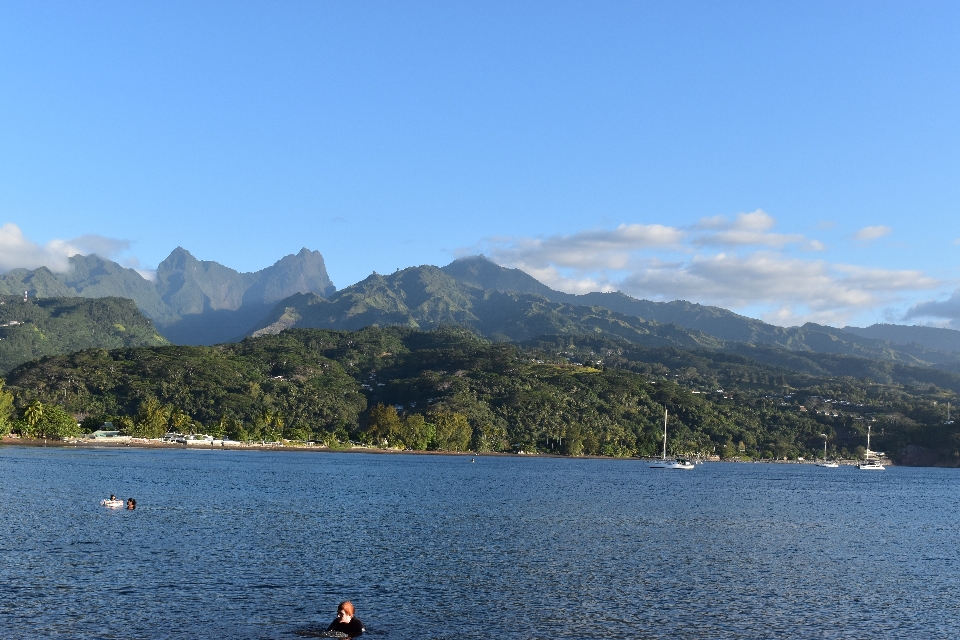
column 453, row 431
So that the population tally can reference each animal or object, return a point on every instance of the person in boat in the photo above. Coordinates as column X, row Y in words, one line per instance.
column 131, row 504
column 345, row 622
column 112, row 502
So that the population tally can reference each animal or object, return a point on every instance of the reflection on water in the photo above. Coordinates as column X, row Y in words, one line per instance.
column 242, row 544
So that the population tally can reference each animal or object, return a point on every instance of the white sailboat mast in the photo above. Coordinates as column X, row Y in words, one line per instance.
column 664, row 433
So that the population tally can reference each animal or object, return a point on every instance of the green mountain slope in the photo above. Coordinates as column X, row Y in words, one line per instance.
column 37, row 282
column 939, row 347
column 426, row 297
column 473, row 293
column 52, row 326
column 448, row 389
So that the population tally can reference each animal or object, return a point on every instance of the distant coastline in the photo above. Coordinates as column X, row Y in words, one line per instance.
column 232, row 445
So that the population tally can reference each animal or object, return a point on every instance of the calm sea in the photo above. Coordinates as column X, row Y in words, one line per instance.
column 236, row 544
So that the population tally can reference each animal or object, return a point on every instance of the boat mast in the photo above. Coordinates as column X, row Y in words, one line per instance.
column 664, row 433
column 868, row 441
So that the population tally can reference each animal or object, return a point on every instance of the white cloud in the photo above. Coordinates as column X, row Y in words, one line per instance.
column 944, row 310
column 17, row 251
column 747, row 229
column 595, row 249
column 774, row 279
column 752, row 270
column 869, row 234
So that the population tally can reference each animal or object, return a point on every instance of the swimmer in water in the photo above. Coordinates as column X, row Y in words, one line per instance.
column 345, row 622
column 131, row 504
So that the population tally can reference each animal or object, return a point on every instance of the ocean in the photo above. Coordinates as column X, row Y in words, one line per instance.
column 265, row 544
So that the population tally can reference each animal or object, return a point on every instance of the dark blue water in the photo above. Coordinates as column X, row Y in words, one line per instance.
column 265, row 544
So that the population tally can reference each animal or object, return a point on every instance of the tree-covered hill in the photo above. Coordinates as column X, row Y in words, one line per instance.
column 426, row 297
column 448, row 389
column 52, row 326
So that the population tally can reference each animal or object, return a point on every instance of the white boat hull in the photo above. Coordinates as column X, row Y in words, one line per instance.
column 676, row 464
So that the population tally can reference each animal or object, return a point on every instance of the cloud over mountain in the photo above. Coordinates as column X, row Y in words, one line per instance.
column 740, row 263
column 17, row 251
column 938, row 310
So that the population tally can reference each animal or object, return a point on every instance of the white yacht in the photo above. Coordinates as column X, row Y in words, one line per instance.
column 663, row 463
column 869, row 463
column 829, row 464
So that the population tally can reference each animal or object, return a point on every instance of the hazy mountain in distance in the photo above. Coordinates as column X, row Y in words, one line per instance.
column 929, row 337
column 95, row 277
column 191, row 301
column 215, row 303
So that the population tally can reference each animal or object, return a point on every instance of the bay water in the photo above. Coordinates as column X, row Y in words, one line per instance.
column 265, row 544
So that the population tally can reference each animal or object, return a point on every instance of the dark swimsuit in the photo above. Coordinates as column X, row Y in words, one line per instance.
column 353, row 628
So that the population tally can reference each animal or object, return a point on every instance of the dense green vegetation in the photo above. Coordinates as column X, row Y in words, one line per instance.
column 51, row 326
column 509, row 305
column 448, row 389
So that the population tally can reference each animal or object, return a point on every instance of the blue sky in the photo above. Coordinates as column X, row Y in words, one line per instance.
column 791, row 161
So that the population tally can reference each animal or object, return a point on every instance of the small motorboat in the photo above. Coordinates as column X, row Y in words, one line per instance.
column 111, row 503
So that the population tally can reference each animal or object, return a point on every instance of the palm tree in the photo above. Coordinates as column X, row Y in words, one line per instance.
column 33, row 413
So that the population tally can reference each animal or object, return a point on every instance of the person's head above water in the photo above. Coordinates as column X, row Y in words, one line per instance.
column 113, row 497
column 131, row 503
column 345, row 611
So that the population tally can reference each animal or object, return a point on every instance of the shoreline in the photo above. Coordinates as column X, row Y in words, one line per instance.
column 137, row 443
column 140, row 443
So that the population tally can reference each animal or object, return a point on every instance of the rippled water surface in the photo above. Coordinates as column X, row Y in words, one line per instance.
column 236, row 544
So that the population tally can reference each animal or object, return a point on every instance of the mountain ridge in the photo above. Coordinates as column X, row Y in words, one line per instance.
column 194, row 301
column 476, row 293
column 191, row 301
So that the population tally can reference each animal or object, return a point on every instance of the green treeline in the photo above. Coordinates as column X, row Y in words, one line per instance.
column 449, row 390
column 50, row 326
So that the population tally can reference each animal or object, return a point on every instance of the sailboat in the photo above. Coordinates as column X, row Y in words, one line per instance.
column 663, row 463
column 828, row 464
column 869, row 463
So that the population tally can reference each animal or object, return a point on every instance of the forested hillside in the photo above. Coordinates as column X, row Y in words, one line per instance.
column 51, row 326
column 426, row 297
column 448, row 389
